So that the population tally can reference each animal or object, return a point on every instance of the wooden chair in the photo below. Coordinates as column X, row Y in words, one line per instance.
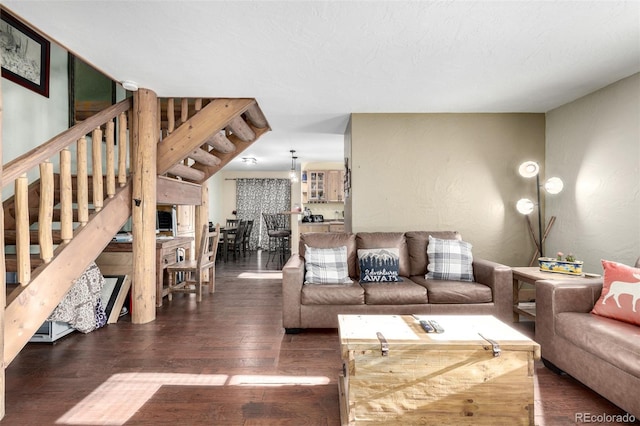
column 235, row 240
column 192, row 271
column 247, row 237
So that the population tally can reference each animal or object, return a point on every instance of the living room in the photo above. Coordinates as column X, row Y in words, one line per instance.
column 447, row 169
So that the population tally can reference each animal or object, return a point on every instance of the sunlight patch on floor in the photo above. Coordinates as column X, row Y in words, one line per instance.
column 115, row 401
column 261, row 275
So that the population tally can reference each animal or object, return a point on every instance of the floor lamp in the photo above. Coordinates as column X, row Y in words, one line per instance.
column 554, row 185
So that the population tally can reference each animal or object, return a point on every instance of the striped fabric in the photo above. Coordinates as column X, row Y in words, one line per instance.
column 326, row 265
column 449, row 260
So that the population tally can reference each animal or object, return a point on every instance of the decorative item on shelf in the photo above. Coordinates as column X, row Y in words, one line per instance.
column 293, row 174
column 569, row 265
column 525, row 206
column 304, row 176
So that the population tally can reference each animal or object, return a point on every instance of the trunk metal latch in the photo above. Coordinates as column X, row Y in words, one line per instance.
column 384, row 346
column 494, row 344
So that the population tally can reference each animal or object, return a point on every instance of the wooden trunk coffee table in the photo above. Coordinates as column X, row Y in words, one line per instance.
column 405, row 376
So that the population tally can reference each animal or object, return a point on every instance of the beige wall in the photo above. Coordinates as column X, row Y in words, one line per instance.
column 446, row 172
column 593, row 144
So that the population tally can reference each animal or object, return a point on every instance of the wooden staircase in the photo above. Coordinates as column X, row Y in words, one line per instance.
column 56, row 224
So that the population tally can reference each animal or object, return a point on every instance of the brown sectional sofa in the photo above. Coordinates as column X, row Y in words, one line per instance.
column 602, row 353
column 317, row 306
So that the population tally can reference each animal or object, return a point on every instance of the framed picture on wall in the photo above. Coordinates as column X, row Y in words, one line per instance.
column 25, row 55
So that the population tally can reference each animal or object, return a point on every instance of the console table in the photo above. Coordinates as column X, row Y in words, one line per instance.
column 532, row 274
column 117, row 259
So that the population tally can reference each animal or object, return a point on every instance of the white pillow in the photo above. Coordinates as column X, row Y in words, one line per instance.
column 449, row 260
column 326, row 265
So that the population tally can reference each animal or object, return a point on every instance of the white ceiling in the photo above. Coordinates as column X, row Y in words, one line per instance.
column 312, row 63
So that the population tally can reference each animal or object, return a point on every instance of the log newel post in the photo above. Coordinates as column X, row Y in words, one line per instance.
column 202, row 218
column 3, row 278
column 143, row 172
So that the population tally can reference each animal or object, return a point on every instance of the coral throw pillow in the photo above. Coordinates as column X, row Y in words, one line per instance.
column 620, row 298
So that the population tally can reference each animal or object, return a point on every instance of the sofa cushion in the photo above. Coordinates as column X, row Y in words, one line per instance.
column 333, row 239
column 610, row 340
column 620, row 293
column 379, row 265
column 449, row 260
column 332, row 294
column 396, row 293
column 417, row 247
column 326, row 265
column 441, row 291
column 373, row 240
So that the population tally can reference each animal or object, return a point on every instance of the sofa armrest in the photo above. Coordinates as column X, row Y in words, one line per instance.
column 500, row 278
column 292, row 281
column 556, row 296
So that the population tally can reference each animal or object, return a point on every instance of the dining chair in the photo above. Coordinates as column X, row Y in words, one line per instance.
column 187, row 275
column 247, row 238
column 235, row 240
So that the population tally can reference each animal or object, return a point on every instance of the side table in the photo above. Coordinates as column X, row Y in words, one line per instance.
column 532, row 274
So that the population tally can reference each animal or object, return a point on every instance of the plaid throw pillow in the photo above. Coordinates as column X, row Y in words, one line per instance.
column 449, row 260
column 326, row 265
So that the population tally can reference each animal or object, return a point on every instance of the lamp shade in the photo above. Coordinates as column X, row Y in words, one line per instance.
column 553, row 185
column 529, row 169
column 525, row 206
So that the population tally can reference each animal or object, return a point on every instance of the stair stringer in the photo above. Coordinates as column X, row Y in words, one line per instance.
column 26, row 311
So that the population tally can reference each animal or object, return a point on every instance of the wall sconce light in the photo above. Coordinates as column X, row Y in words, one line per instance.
column 293, row 175
column 250, row 161
column 553, row 185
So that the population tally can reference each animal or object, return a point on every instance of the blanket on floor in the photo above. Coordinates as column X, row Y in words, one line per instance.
column 81, row 307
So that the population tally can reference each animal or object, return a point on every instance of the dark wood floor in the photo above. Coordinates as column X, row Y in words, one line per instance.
column 225, row 361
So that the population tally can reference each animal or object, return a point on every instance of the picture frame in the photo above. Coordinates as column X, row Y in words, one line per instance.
column 25, row 55
column 114, row 293
column 347, row 178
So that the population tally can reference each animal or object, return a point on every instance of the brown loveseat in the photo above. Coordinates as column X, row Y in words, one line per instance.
column 602, row 353
column 317, row 306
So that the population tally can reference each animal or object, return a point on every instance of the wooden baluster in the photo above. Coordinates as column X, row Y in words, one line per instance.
column 23, row 241
column 82, row 185
column 171, row 116
column 122, row 149
column 45, row 217
column 198, row 104
column 66, row 197
column 184, row 110
column 111, row 159
column 96, row 180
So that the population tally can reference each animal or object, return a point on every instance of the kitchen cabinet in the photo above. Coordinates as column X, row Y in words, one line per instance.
column 313, row 191
column 185, row 223
column 335, row 186
column 336, row 227
column 321, row 227
column 313, row 227
column 323, row 186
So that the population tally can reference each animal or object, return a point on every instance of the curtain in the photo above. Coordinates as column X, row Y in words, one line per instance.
column 257, row 196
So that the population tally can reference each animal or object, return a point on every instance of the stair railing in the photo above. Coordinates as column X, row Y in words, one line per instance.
column 35, row 203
